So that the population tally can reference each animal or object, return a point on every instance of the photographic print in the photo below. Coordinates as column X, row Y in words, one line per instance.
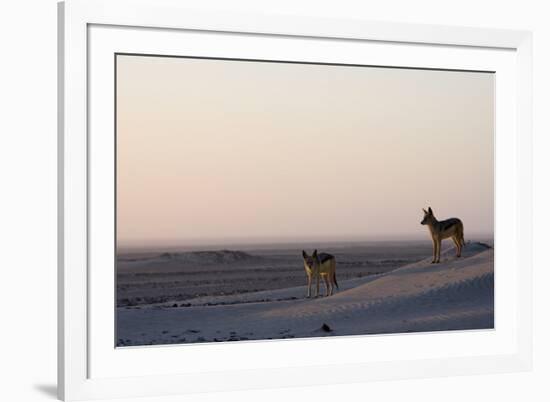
column 262, row 200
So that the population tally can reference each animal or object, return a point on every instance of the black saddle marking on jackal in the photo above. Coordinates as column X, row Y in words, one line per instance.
column 324, row 257
column 447, row 224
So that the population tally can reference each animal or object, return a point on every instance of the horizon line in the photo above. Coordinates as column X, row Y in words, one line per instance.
column 270, row 241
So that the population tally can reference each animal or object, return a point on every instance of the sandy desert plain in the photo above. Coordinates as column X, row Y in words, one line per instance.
column 259, row 292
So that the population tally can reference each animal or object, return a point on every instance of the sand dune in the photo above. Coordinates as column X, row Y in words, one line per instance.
column 455, row 294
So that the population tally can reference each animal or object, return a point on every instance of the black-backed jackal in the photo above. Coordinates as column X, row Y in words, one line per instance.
column 440, row 230
column 317, row 266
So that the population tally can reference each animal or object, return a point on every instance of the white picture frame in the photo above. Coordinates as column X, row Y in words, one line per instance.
column 90, row 32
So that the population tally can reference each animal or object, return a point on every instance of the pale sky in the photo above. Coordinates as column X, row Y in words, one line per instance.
column 218, row 151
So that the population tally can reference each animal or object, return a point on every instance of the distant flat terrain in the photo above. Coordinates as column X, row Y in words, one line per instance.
column 179, row 276
column 228, row 295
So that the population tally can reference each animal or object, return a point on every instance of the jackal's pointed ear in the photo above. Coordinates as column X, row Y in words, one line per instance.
column 430, row 210
column 304, row 254
column 423, row 210
column 315, row 253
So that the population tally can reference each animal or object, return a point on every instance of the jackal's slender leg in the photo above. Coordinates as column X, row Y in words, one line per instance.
column 309, row 286
column 434, row 243
column 438, row 250
column 318, row 279
column 457, row 245
column 326, row 285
